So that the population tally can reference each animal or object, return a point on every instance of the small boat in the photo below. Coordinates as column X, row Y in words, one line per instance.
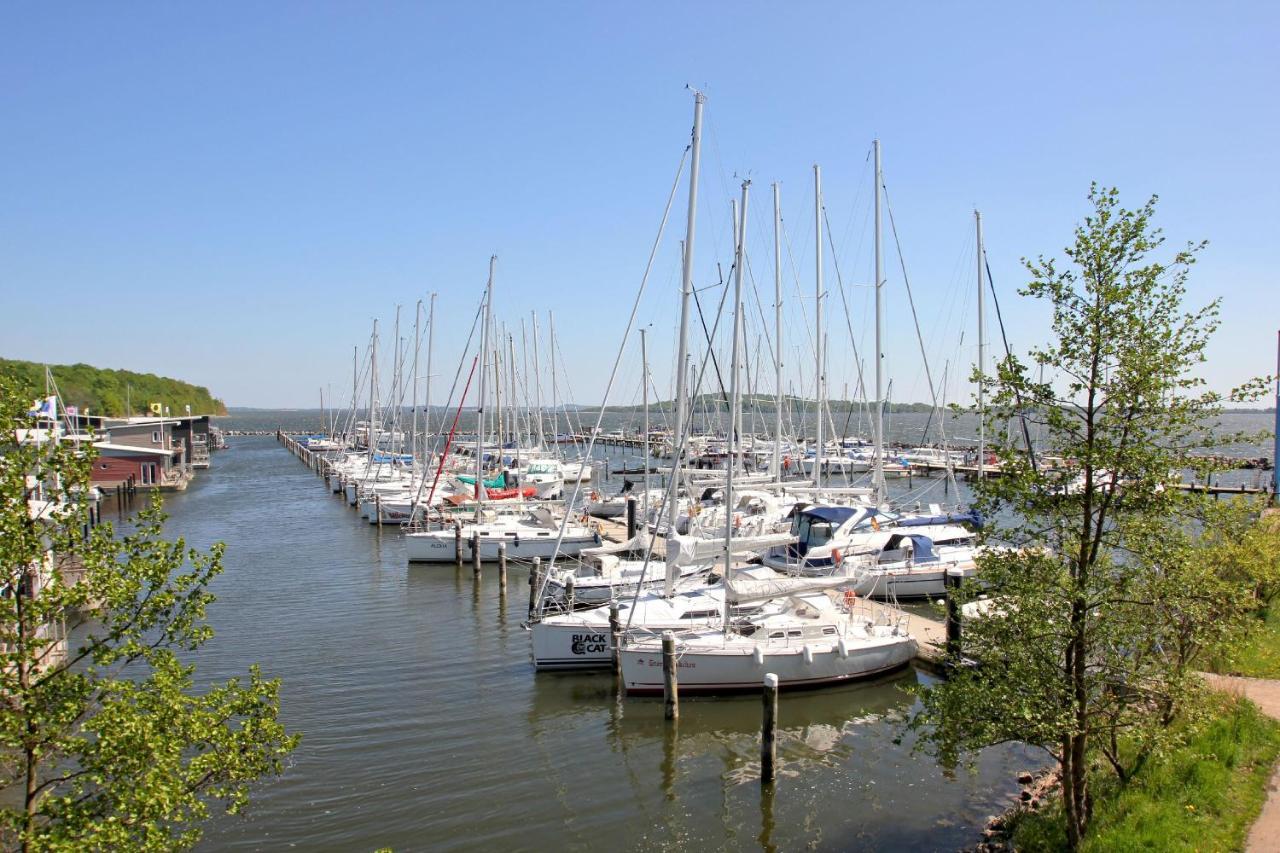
column 533, row 532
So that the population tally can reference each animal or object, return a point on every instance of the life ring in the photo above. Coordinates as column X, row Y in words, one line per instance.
column 737, row 521
column 595, row 496
column 850, row 597
column 836, row 557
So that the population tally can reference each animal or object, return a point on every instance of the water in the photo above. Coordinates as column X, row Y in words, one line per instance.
column 425, row 726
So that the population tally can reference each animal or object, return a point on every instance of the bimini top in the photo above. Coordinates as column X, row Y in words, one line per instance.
column 837, row 515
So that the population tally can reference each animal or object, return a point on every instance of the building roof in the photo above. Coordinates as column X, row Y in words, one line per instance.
column 156, row 451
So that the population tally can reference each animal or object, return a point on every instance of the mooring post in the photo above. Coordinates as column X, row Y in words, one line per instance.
column 769, row 731
column 457, row 542
column 475, row 553
column 953, row 579
column 502, row 568
column 670, row 684
column 569, row 590
column 534, row 581
column 615, row 636
column 377, row 508
column 631, row 517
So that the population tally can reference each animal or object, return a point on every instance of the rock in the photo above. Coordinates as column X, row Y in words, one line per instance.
column 1025, row 778
column 1035, row 804
column 1025, row 796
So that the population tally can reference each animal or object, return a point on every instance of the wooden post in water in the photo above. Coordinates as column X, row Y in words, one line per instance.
column 502, row 569
column 670, row 684
column 952, row 581
column 769, row 731
column 457, row 542
column 569, row 591
column 377, row 509
column 631, row 517
column 615, row 636
column 475, row 553
column 534, row 581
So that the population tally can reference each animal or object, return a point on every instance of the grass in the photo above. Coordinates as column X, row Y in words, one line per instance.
column 1258, row 655
column 1204, row 795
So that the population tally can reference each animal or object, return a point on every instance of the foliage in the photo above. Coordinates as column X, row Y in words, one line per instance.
column 106, row 743
column 1109, row 594
column 1203, row 795
column 105, row 392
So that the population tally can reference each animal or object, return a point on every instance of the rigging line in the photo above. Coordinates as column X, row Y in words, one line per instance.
column 724, row 292
column 915, row 319
column 835, row 262
column 1026, row 433
column 617, row 361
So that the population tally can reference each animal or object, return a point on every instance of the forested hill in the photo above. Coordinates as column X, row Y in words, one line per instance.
column 105, row 392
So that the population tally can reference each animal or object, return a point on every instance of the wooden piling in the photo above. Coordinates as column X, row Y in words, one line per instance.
column 475, row 553
column 377, row 508
column 502, row 568
column 534, row 581
column 631, row 517
column 457, row 542
column 952, row 582
column 769, row 731
column 670, row 683
column 569, row 591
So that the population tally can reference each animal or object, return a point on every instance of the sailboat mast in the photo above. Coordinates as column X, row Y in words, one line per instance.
column 686, row 290
column 735, row 389
column 373, row 391
column 644, row 394
column 480, row 398
column 982, row 361
column 417, row 348
column 537, row 382
column 555, row 417
column 777, row 322
column 817, row 336
column 426, row 406
column 878, row 477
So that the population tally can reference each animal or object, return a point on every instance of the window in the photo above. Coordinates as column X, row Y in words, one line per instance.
column 155, row 437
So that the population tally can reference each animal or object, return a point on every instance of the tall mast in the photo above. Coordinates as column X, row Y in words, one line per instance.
column 686, row 290
column 417, row 347
column 397, row 365
column 777, row 321
column 480, row 398
column 644, row 394
column 817, row 336
column 537, row 383
column 555, row 416
column 515, row 417
column 735, row 389
column 431, row 336
column 355, row 391
column 982, row 361
column 878, row 477
column 373, row 391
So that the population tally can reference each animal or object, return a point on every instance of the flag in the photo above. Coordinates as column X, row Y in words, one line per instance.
column 72, row 410
column 157, row 409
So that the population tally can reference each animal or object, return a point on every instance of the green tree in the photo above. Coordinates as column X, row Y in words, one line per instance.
column 1104, row 597
column 105, row 743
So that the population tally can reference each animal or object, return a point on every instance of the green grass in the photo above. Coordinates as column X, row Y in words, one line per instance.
column 1258, row 655
column 1203, row 795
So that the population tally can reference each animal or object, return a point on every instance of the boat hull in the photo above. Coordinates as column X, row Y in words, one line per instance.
column 439, row 547
column 739, row 669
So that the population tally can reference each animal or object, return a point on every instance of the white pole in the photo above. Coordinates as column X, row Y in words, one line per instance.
column 686, row 290
column 735, row 391
column 878, row 477
column 982, row 361
column 555, row 417
column 817, row 337
column 777, row 308
column 417, row 348
column 484, row 352
column 431, row 338
column 537, row 382
column 644, row 380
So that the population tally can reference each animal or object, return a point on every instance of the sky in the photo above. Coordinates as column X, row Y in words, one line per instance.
column 231, row 193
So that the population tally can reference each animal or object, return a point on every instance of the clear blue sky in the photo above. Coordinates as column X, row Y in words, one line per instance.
column 228, row 193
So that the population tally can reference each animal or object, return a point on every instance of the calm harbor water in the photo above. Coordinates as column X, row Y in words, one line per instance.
column 425, row 726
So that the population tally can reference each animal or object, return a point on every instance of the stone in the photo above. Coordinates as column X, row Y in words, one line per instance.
column 1025, row 778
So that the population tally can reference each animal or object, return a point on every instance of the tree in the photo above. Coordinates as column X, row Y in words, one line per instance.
column 1103, row 594
column 106, row 743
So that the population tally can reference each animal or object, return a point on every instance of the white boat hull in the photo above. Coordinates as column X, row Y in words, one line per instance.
column 739, row 668
column 439, row 547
